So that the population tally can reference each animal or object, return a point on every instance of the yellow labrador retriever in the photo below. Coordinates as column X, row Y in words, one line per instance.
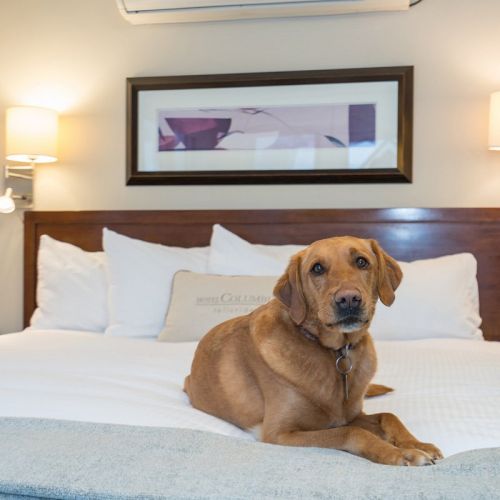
column 299, row 366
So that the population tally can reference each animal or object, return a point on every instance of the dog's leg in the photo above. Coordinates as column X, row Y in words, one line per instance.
column 391, row 429
column 353, row 440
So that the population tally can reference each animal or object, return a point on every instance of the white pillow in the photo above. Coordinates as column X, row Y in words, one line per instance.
column 201, row 301
column 438, row 298
column 71, row 289
column 140, row 277
column 230, row 254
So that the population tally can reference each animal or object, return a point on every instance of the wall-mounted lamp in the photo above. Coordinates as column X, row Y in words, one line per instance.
column 494, row 137
column 31, row 137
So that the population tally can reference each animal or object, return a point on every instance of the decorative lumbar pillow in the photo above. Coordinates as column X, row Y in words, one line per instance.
column 140, row 277
column 201, row 301
column 230, row 254
column 437, row 298
column 71, row 289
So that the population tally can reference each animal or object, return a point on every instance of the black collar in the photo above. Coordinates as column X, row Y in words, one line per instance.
column 313, row 338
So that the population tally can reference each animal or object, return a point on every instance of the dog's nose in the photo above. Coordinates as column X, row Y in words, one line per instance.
column 348, row 300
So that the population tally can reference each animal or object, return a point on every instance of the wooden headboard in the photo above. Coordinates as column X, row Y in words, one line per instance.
column 406, row 233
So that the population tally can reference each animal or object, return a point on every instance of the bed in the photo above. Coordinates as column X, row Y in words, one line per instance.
column 86, row 415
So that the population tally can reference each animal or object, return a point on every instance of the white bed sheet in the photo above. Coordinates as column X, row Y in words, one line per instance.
column 447, row 390
column 91, row 377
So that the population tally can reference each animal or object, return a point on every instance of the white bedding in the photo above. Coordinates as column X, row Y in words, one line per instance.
column 447, row 390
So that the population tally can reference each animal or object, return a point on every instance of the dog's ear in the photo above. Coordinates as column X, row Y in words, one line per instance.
column 389, row 274
column 288, row 291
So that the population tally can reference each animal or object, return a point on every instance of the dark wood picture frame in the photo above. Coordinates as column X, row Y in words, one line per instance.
column 400, row 173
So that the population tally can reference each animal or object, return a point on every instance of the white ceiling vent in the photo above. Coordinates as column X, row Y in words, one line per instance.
column 180, row 11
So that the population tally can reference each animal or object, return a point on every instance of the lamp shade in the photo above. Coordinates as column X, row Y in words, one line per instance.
column 31, row 134
column 494, row 138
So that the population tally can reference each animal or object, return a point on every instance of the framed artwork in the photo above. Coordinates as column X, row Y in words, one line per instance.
column 322, row 126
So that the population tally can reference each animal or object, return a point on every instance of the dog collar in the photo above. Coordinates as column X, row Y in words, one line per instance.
column 313, row 338
column 308, row 335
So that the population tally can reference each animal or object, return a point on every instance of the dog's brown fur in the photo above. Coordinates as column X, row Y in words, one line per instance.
column 275, row 367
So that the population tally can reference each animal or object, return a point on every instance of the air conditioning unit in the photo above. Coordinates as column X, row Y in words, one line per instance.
column 180, row 11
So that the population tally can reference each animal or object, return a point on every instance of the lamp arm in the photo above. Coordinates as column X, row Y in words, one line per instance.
column 19, row 176
column 22, row 197
column 21, row 171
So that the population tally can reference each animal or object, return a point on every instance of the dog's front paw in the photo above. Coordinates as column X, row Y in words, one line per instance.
column 433, row 451
column 409, row 456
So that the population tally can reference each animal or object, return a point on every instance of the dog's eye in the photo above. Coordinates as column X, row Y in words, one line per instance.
column 317, row 269
column 361, row 262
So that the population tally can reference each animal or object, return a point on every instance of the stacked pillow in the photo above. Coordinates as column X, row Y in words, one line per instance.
column 72, row 288
column 140, row 278
column 140, row 289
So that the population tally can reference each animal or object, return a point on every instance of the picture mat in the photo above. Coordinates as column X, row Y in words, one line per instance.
column 383, row 155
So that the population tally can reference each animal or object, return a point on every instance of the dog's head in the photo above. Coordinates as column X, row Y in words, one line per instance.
column 335, row 284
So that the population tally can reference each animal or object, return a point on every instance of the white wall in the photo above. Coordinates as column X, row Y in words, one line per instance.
column 74, row 55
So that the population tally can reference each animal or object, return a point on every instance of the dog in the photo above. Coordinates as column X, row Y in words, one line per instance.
column 299, row 367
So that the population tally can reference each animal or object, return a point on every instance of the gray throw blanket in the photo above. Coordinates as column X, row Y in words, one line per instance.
column 76, row 460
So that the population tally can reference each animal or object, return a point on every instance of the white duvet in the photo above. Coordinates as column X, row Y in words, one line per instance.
column 447, row 391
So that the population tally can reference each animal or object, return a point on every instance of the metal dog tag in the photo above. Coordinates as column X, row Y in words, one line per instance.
column 346, row 386
column 343, row 364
